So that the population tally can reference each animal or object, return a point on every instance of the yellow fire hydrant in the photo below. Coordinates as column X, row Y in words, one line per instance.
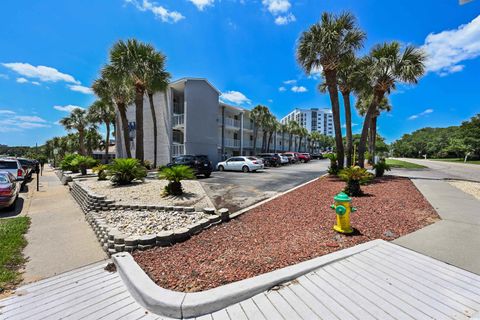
column 343, row 208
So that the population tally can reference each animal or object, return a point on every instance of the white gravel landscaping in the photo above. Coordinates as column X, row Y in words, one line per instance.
column 469, row 187
column 150, row 193
column 139, row 223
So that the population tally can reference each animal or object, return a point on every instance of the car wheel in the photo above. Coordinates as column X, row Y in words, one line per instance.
column 245, row 169
column 207, row 175
column 13, row 205
column 221, row 168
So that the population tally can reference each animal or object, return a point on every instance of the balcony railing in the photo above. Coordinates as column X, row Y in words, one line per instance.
column 178, row 150
column 230, row 122
column 178, row 119
column 232, row 143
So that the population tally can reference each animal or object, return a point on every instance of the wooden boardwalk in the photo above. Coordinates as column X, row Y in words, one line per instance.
column 383, row 282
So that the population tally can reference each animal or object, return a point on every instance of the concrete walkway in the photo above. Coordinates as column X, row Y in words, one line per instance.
column 59, row 238
column 456, row 238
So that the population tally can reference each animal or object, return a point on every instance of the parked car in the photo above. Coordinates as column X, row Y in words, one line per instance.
column 302, row 157
column 14, row 167
column 270, row 159
column 244, row 164
column 9, row 190
column 317, row 155
column 283, row 159
column 292, row 157
column 306, row 154
column 200, row 164
column 28, row 166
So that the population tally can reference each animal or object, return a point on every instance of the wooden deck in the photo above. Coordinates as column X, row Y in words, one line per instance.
column 384, row 282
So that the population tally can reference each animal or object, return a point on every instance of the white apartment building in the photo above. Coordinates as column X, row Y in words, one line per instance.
column 192, row 120
column 314, row 119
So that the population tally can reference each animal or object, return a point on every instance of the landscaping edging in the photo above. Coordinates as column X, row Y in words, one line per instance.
column 186, row 305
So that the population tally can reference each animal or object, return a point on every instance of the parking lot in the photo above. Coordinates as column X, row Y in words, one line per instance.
column 238, row 190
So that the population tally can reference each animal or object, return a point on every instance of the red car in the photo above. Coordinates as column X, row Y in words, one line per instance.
column 302, row 157
column 9, row 189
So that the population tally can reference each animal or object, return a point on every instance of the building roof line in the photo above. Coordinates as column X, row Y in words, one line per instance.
column 185, row 79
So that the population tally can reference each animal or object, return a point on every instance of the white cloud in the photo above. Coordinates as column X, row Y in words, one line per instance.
column 290, row 81
column 42, row 73
column 316, row 73
column 158, row 11
column 80, row 88
column 35, row 83
column 67, row 108
column 282, row 89
column 21, row 80
column 299, row 89
column 448, row 48
column 30, row 118
column 201, row 4
column 6, row 111
column 270, row 100
column 32, row 125
column 276, row 7
column 4, row 76
column 235, row 97
column 283, row 20
column 423, row 113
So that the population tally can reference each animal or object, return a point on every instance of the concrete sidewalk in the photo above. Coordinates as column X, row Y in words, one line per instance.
column 456, row 238
column 59, row 238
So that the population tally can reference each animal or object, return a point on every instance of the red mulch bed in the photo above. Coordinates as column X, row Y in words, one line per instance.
column 290, row 229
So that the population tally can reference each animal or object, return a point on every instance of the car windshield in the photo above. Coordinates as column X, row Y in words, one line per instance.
column 24, row 162
column 8, row 164
column 201, row 158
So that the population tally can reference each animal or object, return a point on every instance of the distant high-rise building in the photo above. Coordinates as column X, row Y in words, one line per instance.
column 314, row 119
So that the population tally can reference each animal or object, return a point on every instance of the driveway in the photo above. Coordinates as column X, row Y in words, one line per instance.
column 238, row 190
column 440, row 170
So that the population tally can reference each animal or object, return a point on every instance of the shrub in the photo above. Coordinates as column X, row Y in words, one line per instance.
column 67, row 165
column 83, row 163
column 380, row 167
column 175, row 175
column 124, row 171
column 147, row 164
column 333, row 168
column 354, row 176
column 101, row 171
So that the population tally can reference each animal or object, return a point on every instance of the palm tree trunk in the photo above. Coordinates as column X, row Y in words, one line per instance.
column 81, row 142
column 299, row 144
column 269, row 140
column 331, row 80
column 373, row 137
column 107, row 141
column 126, row 132
column 139, row 93
column 154, row 119
column 348, row 125
column 378, row 95
column 289, row 141
column 255, row 134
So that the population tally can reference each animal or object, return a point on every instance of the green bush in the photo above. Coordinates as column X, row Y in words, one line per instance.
column 354, row 176
column 67, row 163
column 101, row 171
column 175, row 175
column 380, row 167
column 83, row 163
column 125, row 170
column 333, row 168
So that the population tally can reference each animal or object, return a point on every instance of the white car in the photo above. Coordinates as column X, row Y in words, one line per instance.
column 283, row 159
column 14, row 167
column 244, row 164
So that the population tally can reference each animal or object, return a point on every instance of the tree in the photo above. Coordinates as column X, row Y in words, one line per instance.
column 315, row 137
column 257, row 115
column 103, row 111
column 157, row 80
column 324, row 46
column 292, row 129
column 384, row 67
column 77, row 120
column 272, row 125
column 130, row 59
column 283, row 128
column 302, row 133
column 112, row 86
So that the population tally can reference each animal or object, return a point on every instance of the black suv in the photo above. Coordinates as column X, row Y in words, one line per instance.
column 199, row 163
column 270, row 159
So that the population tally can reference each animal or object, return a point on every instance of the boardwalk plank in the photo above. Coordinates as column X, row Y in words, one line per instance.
column 251, row 310
column 266, row 307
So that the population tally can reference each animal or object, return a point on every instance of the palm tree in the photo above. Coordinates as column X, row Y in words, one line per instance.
column 384, row 67
column 112, row 86
column 131, row 60
column 157, row 81
column 315, row 137
column 257, row 115
column 272, row 126
column 323, row 46
column 77, row 120
column 292, row 129
column 283, row 128
column 302, row 133
column 103, row 111
column 93, row 140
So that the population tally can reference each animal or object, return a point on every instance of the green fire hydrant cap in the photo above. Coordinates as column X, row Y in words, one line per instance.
column 342, row 197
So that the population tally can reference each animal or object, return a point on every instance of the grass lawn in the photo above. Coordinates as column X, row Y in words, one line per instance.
column 12, row 242
column 403, row 164
column 458, row 160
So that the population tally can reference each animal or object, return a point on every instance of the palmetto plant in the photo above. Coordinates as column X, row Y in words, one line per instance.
column 101, row 171
column 126, row 170
column 354, row 176
column 103, row 111
column 83, row 163
column 384, row 67
column 174, row 175
column 324, row 46
column 77, row 120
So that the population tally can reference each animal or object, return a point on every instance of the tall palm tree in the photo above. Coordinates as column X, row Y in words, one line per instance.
column 77, row 120
column 131, row 59
column 384, row 67
column 112, row 86
column 302, row 133
column 315, row 137
column 272, row 126
column 103, row 111
column 283, row 128
column 257, row 115
column 292, row 129
column 93, row 140
column 323, row 46
column 157, row 81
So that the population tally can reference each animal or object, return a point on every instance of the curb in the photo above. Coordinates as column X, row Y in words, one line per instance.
column 188, row 305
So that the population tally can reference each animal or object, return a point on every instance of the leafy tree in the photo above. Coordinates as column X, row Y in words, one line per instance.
column 77, row 120
column 258, row 116
column 324, row 46
column 103, row 111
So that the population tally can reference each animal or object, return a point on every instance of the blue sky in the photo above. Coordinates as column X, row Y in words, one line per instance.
column 51, row 51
